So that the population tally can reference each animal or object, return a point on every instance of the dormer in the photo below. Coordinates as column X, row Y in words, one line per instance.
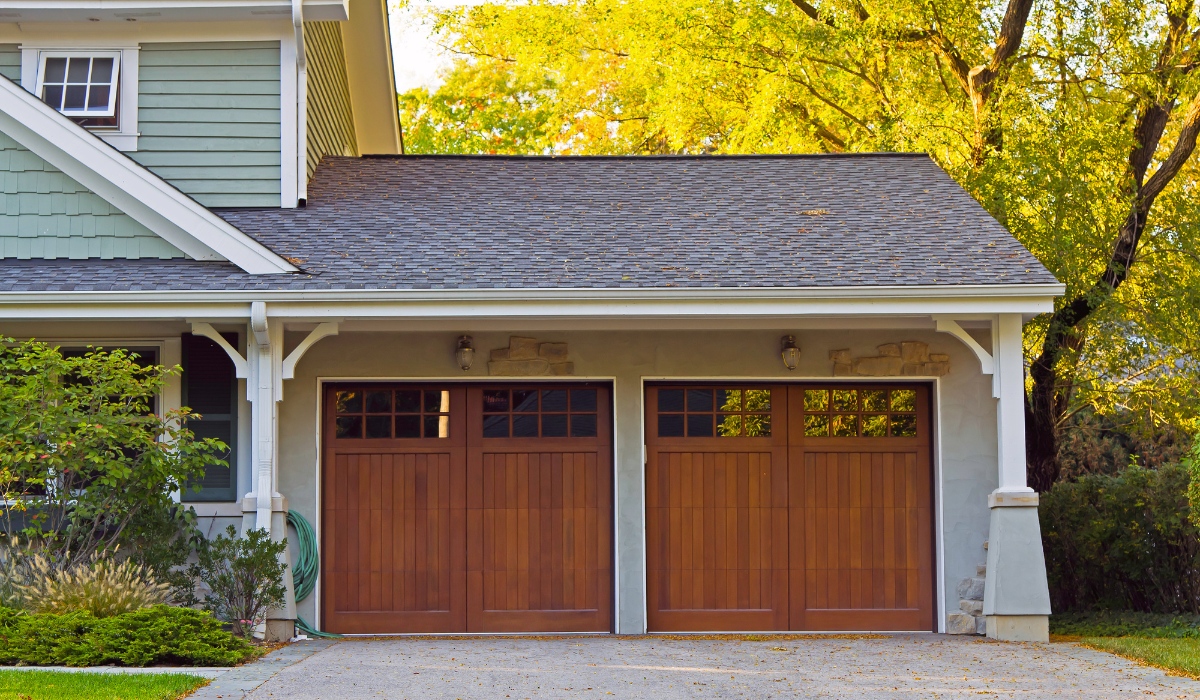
column 233, row 103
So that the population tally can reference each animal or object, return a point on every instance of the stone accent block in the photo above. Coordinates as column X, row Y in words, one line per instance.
column 522, row 348
column 914, row 351
column 519, row 368
column 883, row 366
column 553, row 352
column 841, row 357
column 970, row 589
column 971, row 607
column 960, row 623
column 890, row 350
column 910, row 358
column 529, row 357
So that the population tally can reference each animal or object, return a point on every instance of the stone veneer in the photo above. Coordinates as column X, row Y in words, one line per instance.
column 529, row 357
column 910, row 358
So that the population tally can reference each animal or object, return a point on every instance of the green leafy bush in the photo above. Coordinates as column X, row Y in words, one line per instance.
column 1109, row 623
column 104, row 587
column 244, row 575
column 161, row 634
column 1122, row 542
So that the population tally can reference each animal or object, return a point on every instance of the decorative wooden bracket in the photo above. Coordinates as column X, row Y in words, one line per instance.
column 987, row 363
column 241, row 367
column 322, row 330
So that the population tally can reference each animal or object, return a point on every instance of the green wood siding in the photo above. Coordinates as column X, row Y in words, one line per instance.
column 46, row 214
column 330, row 117
column 10, row 62
column 209, row 119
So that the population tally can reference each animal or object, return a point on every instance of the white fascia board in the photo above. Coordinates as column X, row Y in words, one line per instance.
column 149, row 200
column 158, row 10
column 518, row 304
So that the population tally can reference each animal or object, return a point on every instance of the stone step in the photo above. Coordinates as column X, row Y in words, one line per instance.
column 970, row 589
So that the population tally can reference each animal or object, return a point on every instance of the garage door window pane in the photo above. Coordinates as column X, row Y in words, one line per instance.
column 670, row 400
column 904, row 400
column 718, row 412
column 379, row 402
column 408, row 401
column 495, row 426
column 670, row 425
column 408, row 426
column 758, row 425
column 874, row 400
column 816, row 400
column 525, row 401
column 699, row 400
column 534, row 412
column 845, row 400
column 583, row 400
column 845, row 426
column 349, row 402
column 700, row 425
column 816, row 425
column 379, row 426
column 349, row 426
column 904, row 425
column 874, row 426
column 583, row 425
column 730, row 426
column 525, row 426
column 554, row 425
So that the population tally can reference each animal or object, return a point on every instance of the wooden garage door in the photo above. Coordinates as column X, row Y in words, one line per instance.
column 847, row 478
column 467, row 509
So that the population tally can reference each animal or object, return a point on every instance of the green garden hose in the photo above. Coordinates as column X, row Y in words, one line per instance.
column 305, row 569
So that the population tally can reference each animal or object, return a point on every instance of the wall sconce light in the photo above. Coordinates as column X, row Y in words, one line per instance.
column 465, row 352
column 790, row 352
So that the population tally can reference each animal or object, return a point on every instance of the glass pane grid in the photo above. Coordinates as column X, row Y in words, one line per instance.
column 714, row 412
column 79, row 84
column 534, row 413
column 378, row 413
column 860, row 412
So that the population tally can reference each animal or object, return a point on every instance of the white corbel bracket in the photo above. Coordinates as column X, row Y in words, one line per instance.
column 987, row 363
column 322, row 330
column 241, row 367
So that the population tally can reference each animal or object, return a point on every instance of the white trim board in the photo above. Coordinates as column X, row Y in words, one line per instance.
column 129, row 187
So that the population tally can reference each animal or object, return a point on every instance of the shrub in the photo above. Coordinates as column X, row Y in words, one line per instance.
column 16, row 571
column 1122, row 542
column 81, row 453
column 161, row 634
column 244, row 575
column 104, row 587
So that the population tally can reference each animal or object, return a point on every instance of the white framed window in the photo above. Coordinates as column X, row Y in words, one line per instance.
column 95, row 86
column 80, row 84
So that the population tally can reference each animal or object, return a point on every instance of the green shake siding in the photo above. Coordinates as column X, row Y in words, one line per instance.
column 209, row 119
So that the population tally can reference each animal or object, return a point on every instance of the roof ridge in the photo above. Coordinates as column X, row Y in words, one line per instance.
column 657, row 156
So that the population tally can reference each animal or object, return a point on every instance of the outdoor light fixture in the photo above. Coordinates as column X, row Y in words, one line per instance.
column 465, row 352
column 791, row 353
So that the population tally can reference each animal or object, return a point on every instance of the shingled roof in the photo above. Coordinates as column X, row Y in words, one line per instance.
column 473, row 222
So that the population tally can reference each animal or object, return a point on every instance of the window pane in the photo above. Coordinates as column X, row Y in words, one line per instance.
column 437, row 401
column 700, row 400
column 670, row 425
column 78, row 69
column 98, row 98
column 495, row 401
column 670, row 400
column 583, row 400
column 874, row 400
column 524, row 426
column 845, row 399
column 53, row 95
column 75, row 97
column 758, row 400
column 700, row 425
column 759, row 426
column 554, row 425
column 845, row 426
column 408, row 401
column 437, row 426
column 904, row 425
column 408, row 426
column 349, row 402
column 816, row 425
column 379, row 426
column 904, row 400
column 816, row 400
column 554, row 400
column 495, row 426
column 583, row 425
column 729, row 400
column 102, row 70
column 730, row 426
column 525, row 401
column 874, row 426
column 349, row 426
column 379, row 402
column 56, row 70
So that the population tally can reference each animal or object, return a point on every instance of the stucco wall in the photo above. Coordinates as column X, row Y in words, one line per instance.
column 965, row 444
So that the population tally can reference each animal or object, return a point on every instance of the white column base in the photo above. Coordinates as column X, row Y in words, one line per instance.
column 1018, row 628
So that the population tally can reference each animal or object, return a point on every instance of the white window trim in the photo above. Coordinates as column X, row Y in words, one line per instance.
column 110, row 109
column 125, row 136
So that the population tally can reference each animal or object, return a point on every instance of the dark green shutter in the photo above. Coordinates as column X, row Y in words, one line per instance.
column 210, row 389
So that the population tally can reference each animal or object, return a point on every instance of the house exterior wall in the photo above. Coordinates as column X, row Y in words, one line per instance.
column 329, row 112
column 10, row 62
column 46, row 214
column 209, row 117
column 964, row 442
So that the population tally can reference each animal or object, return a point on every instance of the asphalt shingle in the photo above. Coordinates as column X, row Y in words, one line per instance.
column 438, row 222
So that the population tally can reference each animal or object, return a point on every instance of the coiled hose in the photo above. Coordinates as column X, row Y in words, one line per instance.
column 305, row 569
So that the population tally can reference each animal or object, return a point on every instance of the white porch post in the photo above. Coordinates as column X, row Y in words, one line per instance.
column 1016, row 599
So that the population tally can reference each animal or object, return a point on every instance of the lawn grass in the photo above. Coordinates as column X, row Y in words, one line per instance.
column 1179, row 656
column 66, row 685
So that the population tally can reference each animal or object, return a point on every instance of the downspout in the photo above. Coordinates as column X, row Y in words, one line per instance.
column 301, row 104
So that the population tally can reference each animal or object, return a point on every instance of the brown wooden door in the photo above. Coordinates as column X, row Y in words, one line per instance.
column 539, row 509
column 431, row 522
column 716, row 508
column 861, row 539
column 821, row 521
column 394, row 497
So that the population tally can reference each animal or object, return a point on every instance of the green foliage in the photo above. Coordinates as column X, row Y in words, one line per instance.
column 244, row 576
column 81, row 454
column 1107, row 623
column 1122, row 542
column 17, row 571
column 1105, row 444
column 161, row 634
column 1046, row 148
column 162, row 540
column 104, row 587
column 67, row 685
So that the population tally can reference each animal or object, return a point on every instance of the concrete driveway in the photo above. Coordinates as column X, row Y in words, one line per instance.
column 660, row 668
